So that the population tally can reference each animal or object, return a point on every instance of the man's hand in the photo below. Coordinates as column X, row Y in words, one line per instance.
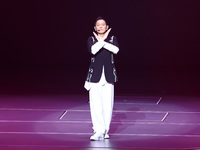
column 97, row 37
column 106, row 34
column 104, row 37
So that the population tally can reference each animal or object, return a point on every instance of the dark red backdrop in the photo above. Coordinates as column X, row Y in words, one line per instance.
column 159, row 43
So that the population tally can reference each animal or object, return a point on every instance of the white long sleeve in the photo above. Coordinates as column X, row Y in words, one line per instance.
column 97, row 46
column 112, row 48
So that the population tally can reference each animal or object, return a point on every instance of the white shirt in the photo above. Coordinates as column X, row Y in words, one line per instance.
column 102, row 81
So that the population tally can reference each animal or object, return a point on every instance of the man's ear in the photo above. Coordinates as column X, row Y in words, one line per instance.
column 107, row 27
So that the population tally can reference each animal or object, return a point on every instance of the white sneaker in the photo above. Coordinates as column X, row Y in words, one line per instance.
column 106, row 136
column 97, row 137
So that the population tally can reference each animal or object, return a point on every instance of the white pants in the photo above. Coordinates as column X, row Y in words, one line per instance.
column 101, row 106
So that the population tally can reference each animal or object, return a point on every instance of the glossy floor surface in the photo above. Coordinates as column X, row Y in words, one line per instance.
column 62, row 122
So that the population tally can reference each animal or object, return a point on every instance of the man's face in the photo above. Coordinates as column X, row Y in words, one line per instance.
column 101, row 26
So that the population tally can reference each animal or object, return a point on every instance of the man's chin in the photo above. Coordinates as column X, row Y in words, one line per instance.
column 102, row 32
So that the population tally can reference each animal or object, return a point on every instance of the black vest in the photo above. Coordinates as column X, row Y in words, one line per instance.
column 102, row 58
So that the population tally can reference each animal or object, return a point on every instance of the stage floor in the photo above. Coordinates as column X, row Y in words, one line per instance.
column 62, row 122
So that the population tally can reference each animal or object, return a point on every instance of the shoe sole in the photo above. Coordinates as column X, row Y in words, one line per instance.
column 99, row 139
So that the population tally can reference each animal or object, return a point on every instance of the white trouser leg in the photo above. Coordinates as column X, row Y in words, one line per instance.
column 95, row 94
column 108, row 100
column 101, row 106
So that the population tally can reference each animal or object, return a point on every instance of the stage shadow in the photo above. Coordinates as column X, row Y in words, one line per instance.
column 122, row 120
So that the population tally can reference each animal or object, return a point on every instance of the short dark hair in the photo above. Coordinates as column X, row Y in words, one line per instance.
column 100, row 18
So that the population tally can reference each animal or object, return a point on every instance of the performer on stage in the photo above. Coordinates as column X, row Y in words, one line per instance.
column 101, row 78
